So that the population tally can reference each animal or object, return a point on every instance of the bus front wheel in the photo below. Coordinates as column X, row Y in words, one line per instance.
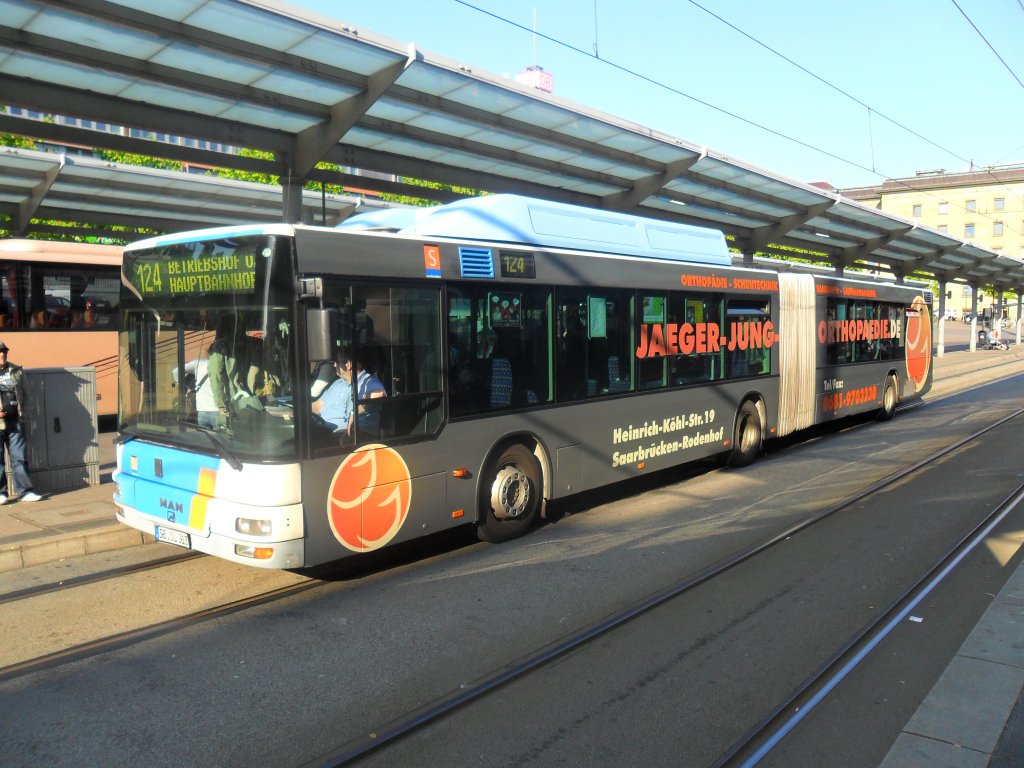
column 510, row 495
column 747, row 436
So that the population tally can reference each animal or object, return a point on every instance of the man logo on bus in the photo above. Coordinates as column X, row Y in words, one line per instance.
column 919, row 342
column 369, row 498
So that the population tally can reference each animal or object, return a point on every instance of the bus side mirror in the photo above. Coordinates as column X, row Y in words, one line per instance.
column 321, row 331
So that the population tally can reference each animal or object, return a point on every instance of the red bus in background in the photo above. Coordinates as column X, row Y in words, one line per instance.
column 59, row 308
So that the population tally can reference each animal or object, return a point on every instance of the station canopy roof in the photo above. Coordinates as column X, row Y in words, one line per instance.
column 90, row 196
column 269, row 76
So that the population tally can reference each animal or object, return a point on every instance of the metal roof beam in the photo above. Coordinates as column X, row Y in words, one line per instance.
column 480, row 149
column 147, row 22
column 518, row 127
column 30, row 94
column 113, row 218
column 370, row 159
column 629, row 199
column 86, row 56
column 776, row 231
column 124, row 16
column 854, row 254
column 313, row 143
column 734, row 210
column 28, row 207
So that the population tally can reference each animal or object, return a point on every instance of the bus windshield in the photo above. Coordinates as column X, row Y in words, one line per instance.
column 206, row 346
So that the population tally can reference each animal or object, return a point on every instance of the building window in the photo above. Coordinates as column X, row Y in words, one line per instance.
column 972, row 205
column 943, row 209
column 969, row 230
column 1000, row 203
column 997, row 229
column 944, row 228
column 917, row 211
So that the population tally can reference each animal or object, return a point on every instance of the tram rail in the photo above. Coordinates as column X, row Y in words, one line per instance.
column 400, row 729
column 760, row 740
column 95, row 578
column 396, row 731
column 134, row 636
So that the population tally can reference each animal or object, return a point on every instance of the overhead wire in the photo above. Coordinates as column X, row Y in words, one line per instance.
column 825, row 82
column 665, row 86
column 871, row 110
column 990, row 46
column 728, row 113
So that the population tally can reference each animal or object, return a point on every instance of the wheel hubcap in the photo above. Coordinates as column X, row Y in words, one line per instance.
column 510, row 494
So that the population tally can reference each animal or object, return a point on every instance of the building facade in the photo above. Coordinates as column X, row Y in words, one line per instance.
column 984, row 206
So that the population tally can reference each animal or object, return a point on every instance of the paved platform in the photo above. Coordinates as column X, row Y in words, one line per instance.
column 66, row 524
column 974, row 715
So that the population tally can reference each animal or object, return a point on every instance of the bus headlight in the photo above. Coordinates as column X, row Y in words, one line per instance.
column 252, row 527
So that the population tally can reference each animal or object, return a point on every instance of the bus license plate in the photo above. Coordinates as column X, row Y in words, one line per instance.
column 171, row 536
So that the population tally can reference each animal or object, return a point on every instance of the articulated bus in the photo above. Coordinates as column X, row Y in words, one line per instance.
column 59, row 308
column 522, row 351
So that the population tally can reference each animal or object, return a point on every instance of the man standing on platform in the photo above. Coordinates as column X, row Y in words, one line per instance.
column 12, row 405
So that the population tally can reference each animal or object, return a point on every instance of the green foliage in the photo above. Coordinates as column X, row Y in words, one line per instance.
column 20, row 142
column 253, row 177
column 420, row 201
column 130, row 158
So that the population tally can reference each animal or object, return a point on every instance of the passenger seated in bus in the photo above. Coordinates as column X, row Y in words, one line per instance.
column 323, row 377
column 368, row 387
column 334, row 405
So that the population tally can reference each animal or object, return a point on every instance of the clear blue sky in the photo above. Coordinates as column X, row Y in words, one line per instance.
column 917, row 62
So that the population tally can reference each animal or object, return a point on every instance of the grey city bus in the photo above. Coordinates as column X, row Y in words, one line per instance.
column 522, row 350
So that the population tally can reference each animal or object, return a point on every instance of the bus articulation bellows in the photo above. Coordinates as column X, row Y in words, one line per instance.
column 526, row 350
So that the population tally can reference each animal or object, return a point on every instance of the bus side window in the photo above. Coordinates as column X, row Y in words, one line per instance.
column 595, row 342
column 746, row 320
column 497, row 348
column 396, row 340
column 651, row 370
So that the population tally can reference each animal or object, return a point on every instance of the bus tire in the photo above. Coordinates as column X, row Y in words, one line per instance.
column 890, row 397
column 748, row 435
column 510, row 495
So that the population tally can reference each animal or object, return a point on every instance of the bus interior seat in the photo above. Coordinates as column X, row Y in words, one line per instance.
column 615, row 383
column 501, row 382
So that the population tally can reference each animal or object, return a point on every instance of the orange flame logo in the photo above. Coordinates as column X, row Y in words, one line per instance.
column 369, row 498
column 919, row 342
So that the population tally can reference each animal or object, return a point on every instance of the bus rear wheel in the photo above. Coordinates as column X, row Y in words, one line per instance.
column 510, row 495
column 889, row 399
column 747, row 435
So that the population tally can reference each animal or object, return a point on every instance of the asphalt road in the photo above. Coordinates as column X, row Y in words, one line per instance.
column 287, row 682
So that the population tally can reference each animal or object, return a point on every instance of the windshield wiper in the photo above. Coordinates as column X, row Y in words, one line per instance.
column 220, row 445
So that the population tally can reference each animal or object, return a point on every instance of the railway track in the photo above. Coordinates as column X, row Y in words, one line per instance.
column 133, row 636
column 395, row 732
column 95, row 578
column 761, row 738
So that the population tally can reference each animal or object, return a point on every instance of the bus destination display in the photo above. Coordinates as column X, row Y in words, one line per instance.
column 226, row 273
column 519, row 265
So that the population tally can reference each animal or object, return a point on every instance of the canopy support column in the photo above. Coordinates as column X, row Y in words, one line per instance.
column 940, row 349
column 974, row 317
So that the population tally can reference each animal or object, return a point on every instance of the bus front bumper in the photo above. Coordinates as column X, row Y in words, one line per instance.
column 256, row 554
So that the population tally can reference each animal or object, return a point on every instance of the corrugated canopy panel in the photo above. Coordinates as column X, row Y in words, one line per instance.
column 147, row 197
column 305, row 88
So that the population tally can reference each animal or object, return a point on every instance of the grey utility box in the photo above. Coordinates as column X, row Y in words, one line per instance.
column 60, row 428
